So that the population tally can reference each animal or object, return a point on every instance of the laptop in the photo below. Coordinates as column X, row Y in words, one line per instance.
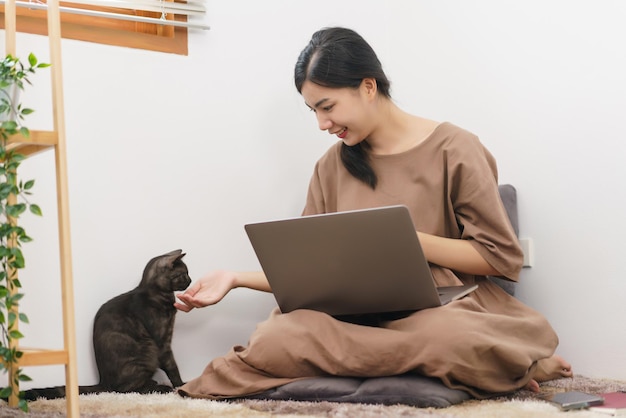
column 348, row 263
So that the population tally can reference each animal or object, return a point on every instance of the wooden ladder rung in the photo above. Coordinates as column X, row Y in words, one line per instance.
column 37, row 142
column 42, row 357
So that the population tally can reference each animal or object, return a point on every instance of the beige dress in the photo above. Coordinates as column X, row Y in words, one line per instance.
column 486, row 343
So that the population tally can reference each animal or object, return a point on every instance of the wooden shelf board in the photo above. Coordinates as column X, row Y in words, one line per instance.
column 42, row 357
column 37, row 142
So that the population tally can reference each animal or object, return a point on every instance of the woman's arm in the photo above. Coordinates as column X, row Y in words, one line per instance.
column 252, row 280
column 455, row 254
column 211, row 288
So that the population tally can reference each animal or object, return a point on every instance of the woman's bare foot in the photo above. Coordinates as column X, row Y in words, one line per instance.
column 551, row 368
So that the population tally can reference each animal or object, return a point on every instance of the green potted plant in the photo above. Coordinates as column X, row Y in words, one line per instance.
column 13, row 203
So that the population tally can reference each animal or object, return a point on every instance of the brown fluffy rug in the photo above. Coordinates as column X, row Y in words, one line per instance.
column 521, row 404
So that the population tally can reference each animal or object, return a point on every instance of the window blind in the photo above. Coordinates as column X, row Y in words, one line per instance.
column 193, row 10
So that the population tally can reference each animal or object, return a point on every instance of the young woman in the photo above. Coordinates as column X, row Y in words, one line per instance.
column 485, row 343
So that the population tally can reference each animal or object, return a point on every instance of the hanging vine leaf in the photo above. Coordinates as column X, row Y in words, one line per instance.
column 5, row 393
column 35, row 209
column 15, row 334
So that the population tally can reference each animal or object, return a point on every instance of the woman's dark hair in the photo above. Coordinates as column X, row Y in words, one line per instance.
column 338, row 58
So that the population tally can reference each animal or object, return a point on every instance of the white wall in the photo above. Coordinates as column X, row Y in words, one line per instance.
column 171, row 152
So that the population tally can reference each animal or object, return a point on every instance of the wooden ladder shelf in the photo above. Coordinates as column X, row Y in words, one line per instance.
column 40, row 141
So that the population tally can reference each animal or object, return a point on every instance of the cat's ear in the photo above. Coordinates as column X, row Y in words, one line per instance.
column 174, row 256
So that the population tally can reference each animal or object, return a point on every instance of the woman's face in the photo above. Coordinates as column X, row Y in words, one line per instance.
column 345, row 112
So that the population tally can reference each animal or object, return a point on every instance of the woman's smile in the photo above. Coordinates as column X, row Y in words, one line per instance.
column 342, row 133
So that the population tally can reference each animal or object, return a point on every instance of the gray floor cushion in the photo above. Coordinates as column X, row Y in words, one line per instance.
column 411, row 390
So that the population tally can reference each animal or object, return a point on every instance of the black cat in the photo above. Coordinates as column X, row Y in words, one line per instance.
column 132, row 333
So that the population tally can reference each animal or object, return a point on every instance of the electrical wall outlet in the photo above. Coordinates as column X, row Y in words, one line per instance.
column 527, row 248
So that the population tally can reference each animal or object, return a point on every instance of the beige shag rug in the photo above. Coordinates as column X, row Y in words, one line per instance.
column 521, row 404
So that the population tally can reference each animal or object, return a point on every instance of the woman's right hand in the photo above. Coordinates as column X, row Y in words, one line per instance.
column 208, row 290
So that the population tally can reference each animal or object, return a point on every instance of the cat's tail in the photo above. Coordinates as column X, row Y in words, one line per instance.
column 58, row 392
